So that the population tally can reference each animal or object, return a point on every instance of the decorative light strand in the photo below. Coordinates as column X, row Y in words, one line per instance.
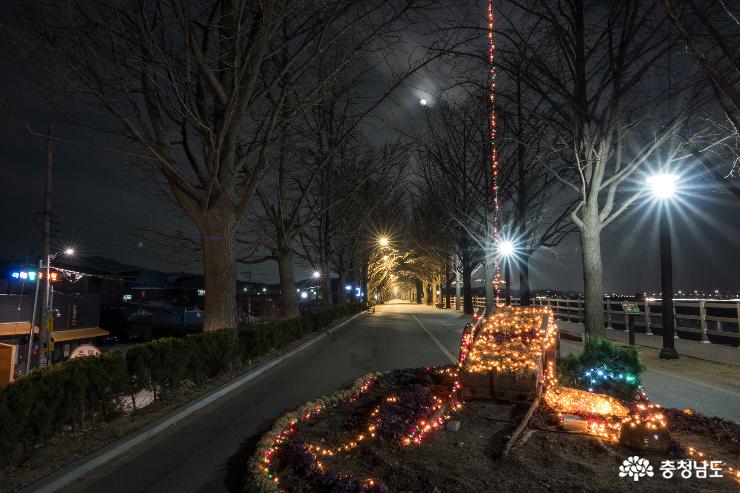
column 494, row 155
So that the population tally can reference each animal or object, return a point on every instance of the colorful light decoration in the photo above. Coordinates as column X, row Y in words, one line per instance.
column 512, row 340
column 494, row 154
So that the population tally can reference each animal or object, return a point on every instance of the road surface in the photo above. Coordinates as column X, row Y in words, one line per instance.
column 208, row 451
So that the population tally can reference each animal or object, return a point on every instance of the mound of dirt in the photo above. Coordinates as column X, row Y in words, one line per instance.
column 464, row 460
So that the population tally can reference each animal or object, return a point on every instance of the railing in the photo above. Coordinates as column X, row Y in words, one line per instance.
column 708, row 321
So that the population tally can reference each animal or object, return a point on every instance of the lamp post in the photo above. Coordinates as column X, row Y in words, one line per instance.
column 46, row 310
column 663, row 187
column 506, row 249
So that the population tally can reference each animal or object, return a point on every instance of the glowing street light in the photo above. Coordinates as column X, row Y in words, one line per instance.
column 663, row 187
column 316, row 274
column 506, row 248
column 383, row 241
column 423, row 102
column 47, row 308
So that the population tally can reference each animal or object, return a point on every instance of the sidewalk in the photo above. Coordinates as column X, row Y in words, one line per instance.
column 710, row 352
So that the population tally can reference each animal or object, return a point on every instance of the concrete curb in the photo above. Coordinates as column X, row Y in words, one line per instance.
column 63, row 477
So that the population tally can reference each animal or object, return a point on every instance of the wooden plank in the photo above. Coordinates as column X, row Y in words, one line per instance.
column 519, row 429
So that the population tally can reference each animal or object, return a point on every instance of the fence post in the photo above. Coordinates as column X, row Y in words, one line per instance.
column 738, row 322
column 648, row 328
column 703, row 321
column 675, row 326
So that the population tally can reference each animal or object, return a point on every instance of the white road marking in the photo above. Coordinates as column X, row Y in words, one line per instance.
column 436, row 341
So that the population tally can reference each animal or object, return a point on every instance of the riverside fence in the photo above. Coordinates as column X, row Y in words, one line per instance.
column 710, row 321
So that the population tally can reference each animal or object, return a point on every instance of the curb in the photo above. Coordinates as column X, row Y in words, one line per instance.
column 63, row 477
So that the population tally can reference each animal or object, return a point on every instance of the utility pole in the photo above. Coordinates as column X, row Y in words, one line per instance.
column 44, row 325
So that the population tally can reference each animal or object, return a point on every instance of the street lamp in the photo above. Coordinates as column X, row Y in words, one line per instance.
column 506, row 249
column 663, row 187
column 46, row 309
column 316, row 274
column 383, row 241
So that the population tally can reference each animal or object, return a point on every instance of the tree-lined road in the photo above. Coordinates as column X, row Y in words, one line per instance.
column 208, row 451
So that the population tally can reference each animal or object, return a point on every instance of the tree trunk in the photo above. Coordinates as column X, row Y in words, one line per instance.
column 326, row 299
column 524, row 297
column 448, row 303
column 593, row 291
column 288, row 298
column 467, row 286
column 341, row 290
column 219, row 274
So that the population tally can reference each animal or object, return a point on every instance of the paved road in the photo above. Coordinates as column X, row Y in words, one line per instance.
column 208, row 451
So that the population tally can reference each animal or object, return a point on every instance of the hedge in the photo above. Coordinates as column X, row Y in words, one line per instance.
column 38, row 406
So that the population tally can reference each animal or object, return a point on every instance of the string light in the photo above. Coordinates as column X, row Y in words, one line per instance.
column 494, row 154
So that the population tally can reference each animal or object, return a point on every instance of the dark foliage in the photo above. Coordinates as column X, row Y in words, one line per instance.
column 604, row 356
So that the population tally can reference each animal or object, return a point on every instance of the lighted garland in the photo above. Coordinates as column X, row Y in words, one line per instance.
column 511, row 340
column 438, row 410
column 271, row 443
column 494, row 153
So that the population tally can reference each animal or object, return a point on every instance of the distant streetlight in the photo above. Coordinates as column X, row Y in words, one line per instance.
column 69, row 251
column 663, row 187
column 423, row 102
column 316, row 274
column 383, row 241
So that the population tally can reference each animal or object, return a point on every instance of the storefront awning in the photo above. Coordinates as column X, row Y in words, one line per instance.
column 16, row 328
column 76, row 334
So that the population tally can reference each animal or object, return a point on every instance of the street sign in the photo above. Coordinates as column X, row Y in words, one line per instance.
column 629, row 307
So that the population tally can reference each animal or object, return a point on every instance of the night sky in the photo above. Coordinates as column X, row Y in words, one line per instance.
column 103, row 208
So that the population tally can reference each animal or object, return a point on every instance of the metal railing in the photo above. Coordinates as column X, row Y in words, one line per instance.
column 707, row 320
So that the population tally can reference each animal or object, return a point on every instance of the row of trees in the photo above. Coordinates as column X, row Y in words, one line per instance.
column 255, row 119
column 590, row 95
column 248, row 115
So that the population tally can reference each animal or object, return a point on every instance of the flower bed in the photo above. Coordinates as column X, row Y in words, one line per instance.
column 318, row 448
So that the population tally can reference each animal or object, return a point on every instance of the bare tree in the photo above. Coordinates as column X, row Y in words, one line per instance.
column 452, row 163
column 710, row 32
column 590, row 63
column 535, row 208
column 194, row 91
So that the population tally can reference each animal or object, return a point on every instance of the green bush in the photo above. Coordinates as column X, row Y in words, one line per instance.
column 603, row 367
column 40, row 405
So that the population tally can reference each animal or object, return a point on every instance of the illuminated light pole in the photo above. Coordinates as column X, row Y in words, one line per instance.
column 316, row 274
column 383, row 241
column 505, row 250
column 663, row 187
column 47, row 310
